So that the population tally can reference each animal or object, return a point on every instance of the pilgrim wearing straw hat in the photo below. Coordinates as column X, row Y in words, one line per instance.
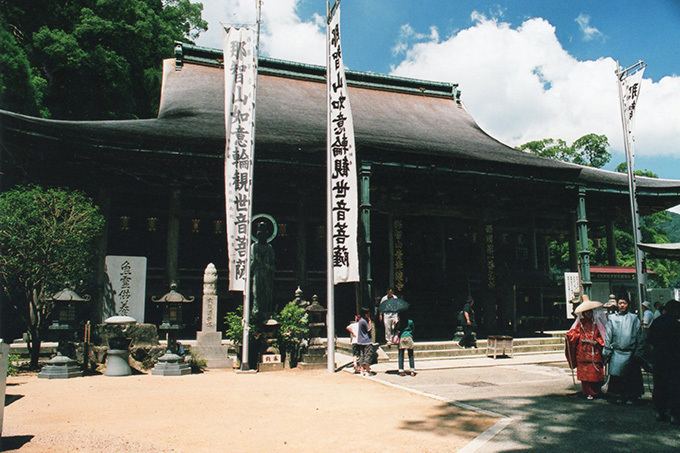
column 585, row 340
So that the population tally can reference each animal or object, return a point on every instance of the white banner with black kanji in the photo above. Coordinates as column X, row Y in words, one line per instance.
column 240, row 74
column 341, row 161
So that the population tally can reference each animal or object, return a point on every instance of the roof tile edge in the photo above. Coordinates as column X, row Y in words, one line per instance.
column 213, row 57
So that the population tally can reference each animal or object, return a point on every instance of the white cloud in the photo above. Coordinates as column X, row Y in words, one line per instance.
column 283, row 35
column 521, row 85
column 589, row 32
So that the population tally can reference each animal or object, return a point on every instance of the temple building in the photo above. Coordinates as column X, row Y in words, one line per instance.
column 447, row 211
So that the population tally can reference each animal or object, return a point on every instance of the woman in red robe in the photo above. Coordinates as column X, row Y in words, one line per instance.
column 585, row 341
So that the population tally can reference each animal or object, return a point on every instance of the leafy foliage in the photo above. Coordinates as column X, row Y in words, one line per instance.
column 47, row 237
column 90, row 59
column 590, row 150
column 233, row 326
column 293, row 329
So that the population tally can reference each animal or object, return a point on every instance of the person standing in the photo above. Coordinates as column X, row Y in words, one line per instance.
column 647, row 316
column 657, row 309
column 469, row 324
column 585, row 341
column 623, row 346
column 353, row 329
column 664, row 336
column 389, row 318
column 364, row 342
column 406, row 327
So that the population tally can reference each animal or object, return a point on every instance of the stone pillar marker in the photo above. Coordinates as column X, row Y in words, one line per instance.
column 208, row 340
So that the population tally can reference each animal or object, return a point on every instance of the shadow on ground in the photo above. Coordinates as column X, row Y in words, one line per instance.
column 451, row 419
column 14, row 442
column 569, row 422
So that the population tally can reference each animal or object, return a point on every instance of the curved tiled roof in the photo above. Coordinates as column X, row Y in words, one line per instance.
column 395, row 119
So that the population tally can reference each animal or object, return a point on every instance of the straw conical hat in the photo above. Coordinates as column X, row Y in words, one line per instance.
column 587, row 305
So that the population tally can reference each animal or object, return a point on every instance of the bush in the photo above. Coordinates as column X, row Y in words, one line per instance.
column 293, row 330
column 13, row 365
column 196, row 363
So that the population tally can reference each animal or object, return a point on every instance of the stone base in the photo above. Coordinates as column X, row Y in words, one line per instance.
column 61, row 367
column 270, row 366
column 314, row 366
column 171, row 365
column 117, row 363
column 209, row 347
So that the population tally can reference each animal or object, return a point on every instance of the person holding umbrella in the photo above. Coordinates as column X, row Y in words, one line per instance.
column 390, row 306
column 585, row 340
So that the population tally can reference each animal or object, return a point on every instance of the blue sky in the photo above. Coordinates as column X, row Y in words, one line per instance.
column 527, row 69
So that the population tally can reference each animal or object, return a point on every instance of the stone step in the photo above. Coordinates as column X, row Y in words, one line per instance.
column 392, row 353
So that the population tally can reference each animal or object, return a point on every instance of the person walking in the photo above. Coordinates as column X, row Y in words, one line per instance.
column 623, row 346
column 585, row 341
column 469, row 324
column 405, row 328
column 364, row 342
column 664, row 336
column 389, row 318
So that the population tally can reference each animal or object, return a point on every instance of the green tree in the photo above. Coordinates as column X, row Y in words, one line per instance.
column 590, row 150
column 47, row 237
column 665, row 272
column 100, row 58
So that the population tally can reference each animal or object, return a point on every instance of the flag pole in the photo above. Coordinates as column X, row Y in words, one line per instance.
column 330, row 287
column 628, row 143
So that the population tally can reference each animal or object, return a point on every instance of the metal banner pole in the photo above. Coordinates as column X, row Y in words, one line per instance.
column 640, row 267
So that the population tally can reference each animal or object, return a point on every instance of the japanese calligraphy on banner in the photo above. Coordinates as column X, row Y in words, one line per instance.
column 630, row 91
column 341, row 161
column 240, row 73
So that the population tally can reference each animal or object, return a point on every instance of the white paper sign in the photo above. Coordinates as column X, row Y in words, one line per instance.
column 571, row 285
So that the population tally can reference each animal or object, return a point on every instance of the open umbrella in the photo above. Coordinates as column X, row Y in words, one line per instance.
column 392, row 305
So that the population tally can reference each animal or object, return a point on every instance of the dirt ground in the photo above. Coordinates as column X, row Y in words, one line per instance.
column 224, row 411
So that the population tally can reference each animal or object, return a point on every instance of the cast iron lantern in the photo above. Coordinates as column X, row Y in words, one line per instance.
column 65, row 306
column 172, row 308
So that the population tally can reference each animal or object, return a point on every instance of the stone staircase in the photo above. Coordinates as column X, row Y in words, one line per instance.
column 436, row 350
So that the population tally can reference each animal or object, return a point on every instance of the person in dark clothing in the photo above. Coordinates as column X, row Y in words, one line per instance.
column 664, row 336
column 469, row 324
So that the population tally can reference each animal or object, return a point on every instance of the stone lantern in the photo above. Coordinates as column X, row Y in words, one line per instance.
column 172, row 314
column 171, row 363
column 62, row 366
column 270, row 359
column 316, row 356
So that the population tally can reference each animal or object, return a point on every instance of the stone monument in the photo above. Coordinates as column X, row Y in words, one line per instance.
column 208, row 340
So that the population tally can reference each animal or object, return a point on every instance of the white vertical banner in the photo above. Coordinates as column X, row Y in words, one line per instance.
column 240, row 73
column 630, row 91
column 343, row 209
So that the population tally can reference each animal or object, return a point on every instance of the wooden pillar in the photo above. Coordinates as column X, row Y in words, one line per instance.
column 366, row 295
column 302, row 241
column 533, row 248
column 573, row 244
column 584, row 252
column 611, row 243
column 172, row 251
